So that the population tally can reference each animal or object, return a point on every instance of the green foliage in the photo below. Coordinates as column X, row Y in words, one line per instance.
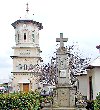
column 97, row 102
column 21, row 101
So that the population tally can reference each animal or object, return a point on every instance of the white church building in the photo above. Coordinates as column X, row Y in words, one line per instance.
column 89, row 82
column 26, row 57
column 93, row 79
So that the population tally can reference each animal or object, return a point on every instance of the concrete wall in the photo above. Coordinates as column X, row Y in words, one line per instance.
column 29, row 29
column 97, row 82
column 89, row 73
column 83, row 84
column 95, row 73
column 23, row 61
column 33, row 51
column 19, row 78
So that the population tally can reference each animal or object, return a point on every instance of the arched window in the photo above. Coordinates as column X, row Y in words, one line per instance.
column 33, row 39
column 31, row 66
column 25, row 67
column 19, row 66
column 24, row 36
column 18, row 37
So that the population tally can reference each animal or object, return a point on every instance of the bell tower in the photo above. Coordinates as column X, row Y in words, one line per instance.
column 26, row 58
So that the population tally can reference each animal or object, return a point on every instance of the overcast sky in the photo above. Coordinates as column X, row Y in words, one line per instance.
column 78, row 20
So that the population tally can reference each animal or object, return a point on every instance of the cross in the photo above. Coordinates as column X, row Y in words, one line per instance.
column 61, row 40
column 27, row 9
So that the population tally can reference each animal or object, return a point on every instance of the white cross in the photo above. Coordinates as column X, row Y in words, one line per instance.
column 61, row 40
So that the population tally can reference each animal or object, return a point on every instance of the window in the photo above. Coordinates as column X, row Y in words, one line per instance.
column 24, row 36
column 31, row 66
column 19, row 66
column 33, row 37
column 18, row 37
column 25, row 67
column 33, row 40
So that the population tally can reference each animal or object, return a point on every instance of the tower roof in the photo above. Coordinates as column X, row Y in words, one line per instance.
column 39, row 25
column 27, row 20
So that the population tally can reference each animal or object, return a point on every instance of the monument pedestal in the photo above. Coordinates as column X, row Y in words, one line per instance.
column 64, row 96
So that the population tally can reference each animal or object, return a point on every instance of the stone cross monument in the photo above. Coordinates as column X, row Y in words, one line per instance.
column 62, row 62
column 63, row 93
column 61, row 40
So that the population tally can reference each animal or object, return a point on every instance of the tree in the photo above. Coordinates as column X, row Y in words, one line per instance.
column 77, row 64
column 48, row 76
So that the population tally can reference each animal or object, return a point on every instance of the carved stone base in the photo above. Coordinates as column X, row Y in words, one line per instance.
column 64, row 97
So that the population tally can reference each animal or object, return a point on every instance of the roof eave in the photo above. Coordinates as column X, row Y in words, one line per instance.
column 27, row 21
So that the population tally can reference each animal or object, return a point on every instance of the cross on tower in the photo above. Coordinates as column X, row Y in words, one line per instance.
column 61, row 40
column 27, row 9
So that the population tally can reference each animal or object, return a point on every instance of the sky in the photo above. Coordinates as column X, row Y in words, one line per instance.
column 78, row 20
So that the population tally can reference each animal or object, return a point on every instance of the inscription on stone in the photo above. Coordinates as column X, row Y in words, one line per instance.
column 62, row 73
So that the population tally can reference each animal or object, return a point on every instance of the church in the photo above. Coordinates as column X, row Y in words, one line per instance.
column 26, row 57
column 26, row 64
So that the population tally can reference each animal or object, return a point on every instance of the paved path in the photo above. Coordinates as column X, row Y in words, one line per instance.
column 63, row 108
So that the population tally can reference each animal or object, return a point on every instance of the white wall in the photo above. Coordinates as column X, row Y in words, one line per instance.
column 28, row 29
column 97, row 82
column 20, row 77
column 27, row 51
column 95, row 73
column 90, row 73
column 83, row 84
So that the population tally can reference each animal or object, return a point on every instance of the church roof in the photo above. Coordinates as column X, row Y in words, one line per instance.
column 95, row 63
column 27, row 21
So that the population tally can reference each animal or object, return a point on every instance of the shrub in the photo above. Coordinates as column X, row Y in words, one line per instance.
column 21, row 101
column 97, row 102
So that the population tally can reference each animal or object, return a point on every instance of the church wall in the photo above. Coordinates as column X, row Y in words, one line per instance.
column 83, row 84
column 21, row 87
column 23, row 62
column 34, row 52
column 29, row 29
column 90, row 73
column 21, row 77
column 94, row 83
column 97, row 81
